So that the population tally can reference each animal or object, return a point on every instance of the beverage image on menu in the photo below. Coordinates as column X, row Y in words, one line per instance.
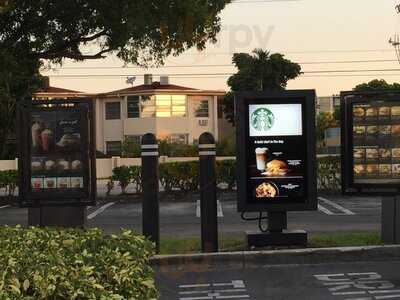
column 68, row 132
column 37, row 183
column 76, row 182
column 50, row 183
column 42, row 131
column 63, row 182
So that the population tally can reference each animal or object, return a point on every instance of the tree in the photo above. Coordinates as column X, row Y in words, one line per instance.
column 141, row 32
column 259, row 71
column 377, row 85
column 325, row 120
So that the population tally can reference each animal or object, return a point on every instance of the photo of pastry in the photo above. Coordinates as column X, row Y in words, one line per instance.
column 69, row 140
column 63, row 182
column 385, row 169
column 396, row 169
column 385, row 130
column 371, row 112
column 372, row 153
column 384, row 111
column 396, row 152
column 359, row 153
column 359, row 130
column 276, row 168
column 359, row 169
column 50, row 165
column 372, row 169
column 396, row 111
column 396, row 130
column 37, row 183
column 76, row 182
column 385, row 153
column 50, row 183
column 358, row 112
column 37, row 165
column 372, row 130
column 63, row 165
column 266, row 190
column 76, row 165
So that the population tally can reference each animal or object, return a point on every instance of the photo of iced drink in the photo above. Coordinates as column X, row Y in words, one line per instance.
column 46, row 138
column 36, row 138
column 262, row 158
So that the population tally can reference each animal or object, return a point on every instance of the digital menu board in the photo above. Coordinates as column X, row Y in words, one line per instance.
column 371, row 142
column 57, row 156
column 276, row 160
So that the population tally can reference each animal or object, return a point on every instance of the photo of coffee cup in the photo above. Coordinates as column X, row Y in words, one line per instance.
column 36, row 139
column 262, row 158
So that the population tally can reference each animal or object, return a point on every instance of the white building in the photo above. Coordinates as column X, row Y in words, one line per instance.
column 172, row 112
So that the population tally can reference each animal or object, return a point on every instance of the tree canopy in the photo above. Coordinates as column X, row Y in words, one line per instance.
column 259, row 71
column 137, row 31
column 377, row 85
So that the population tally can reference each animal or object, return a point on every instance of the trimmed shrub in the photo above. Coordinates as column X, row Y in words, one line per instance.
column 9, row 181
column 329, row 174
column 72, row 264
column 226, row 173
column 123, row 176
column 183, row 176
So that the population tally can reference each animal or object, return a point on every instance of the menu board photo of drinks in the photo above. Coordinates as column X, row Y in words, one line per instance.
column 56, row 159
column 276, row 153
column 371, row 132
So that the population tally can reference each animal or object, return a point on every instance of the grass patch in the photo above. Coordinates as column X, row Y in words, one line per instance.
column 237, row 243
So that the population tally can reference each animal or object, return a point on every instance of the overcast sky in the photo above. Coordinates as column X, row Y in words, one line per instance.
column 306, row 31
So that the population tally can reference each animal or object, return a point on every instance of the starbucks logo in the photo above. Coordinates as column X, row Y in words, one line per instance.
column 262, row 119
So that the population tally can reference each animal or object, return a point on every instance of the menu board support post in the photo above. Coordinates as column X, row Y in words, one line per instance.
column 54, row 216
column 151, row 214
column 208, row 194
column 390, row 233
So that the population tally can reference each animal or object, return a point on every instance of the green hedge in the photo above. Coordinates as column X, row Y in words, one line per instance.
column 9, row 181
column 184, row 176
column 52, row 264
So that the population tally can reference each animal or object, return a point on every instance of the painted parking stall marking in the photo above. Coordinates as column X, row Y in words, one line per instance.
column 342, row 211
column 100, row 210
column 359, row 286
column 220, row 212
column 4, row 206
column 236, row 289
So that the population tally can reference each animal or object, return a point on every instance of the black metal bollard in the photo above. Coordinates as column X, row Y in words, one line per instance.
column 150, row 205
column 208, row 194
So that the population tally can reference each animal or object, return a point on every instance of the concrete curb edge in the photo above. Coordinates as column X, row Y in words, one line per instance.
column 247, row 259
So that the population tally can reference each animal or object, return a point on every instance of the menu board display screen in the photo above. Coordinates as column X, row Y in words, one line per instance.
column 57, row 163
column 376, row 142
column 275, row 140
column 56, row 156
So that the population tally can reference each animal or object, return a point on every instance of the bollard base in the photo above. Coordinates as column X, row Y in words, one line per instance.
column 284, row 238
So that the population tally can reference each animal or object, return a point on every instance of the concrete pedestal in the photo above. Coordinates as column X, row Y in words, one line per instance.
column 74, row 217
column 284, row 238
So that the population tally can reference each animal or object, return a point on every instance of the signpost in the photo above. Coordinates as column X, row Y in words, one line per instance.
column 57, row 161
column 276, row 159
column 371, row 152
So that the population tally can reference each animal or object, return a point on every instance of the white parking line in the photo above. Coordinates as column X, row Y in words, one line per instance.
column 324, row 210
column 100, row 210
column 5, row 206
column 220, row 213
column 345, row 211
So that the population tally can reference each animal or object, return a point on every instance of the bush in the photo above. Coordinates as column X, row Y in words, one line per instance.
column 180, row 175
column 123, row 176
column 136, row 178
column 226, row 173
column 72, row 264
column 227, row 147
column 9, row 181
column 329, row 174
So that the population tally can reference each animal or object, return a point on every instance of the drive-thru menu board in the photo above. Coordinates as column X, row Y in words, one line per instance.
column 371, row 142
column 58, row 159
column 276, row 159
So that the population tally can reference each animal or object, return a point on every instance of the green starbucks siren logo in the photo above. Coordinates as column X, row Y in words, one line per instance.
column 262, row 119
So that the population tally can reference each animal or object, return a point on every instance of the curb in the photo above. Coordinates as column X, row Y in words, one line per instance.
column 256, row 259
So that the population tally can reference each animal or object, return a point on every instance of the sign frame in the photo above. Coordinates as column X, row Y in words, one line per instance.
column 347, row 100
column 307, row 99
column 85, row 196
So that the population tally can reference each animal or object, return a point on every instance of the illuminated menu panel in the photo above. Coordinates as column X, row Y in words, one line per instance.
column 376, row 142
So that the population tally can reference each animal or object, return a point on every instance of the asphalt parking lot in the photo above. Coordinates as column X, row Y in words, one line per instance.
column 335, row 214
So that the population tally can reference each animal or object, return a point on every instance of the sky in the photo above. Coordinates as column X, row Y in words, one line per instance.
column 321, row 35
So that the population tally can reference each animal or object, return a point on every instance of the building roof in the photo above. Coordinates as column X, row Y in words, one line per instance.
column 53, row 90
column 157, row 87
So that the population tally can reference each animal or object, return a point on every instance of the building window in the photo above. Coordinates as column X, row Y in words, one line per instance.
column 202, row 109
column 113, row 110
column 167, row 106
column 133, row 107
column 179, row 138
column 147, row 107
column 114, row 148
column 137, row 139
